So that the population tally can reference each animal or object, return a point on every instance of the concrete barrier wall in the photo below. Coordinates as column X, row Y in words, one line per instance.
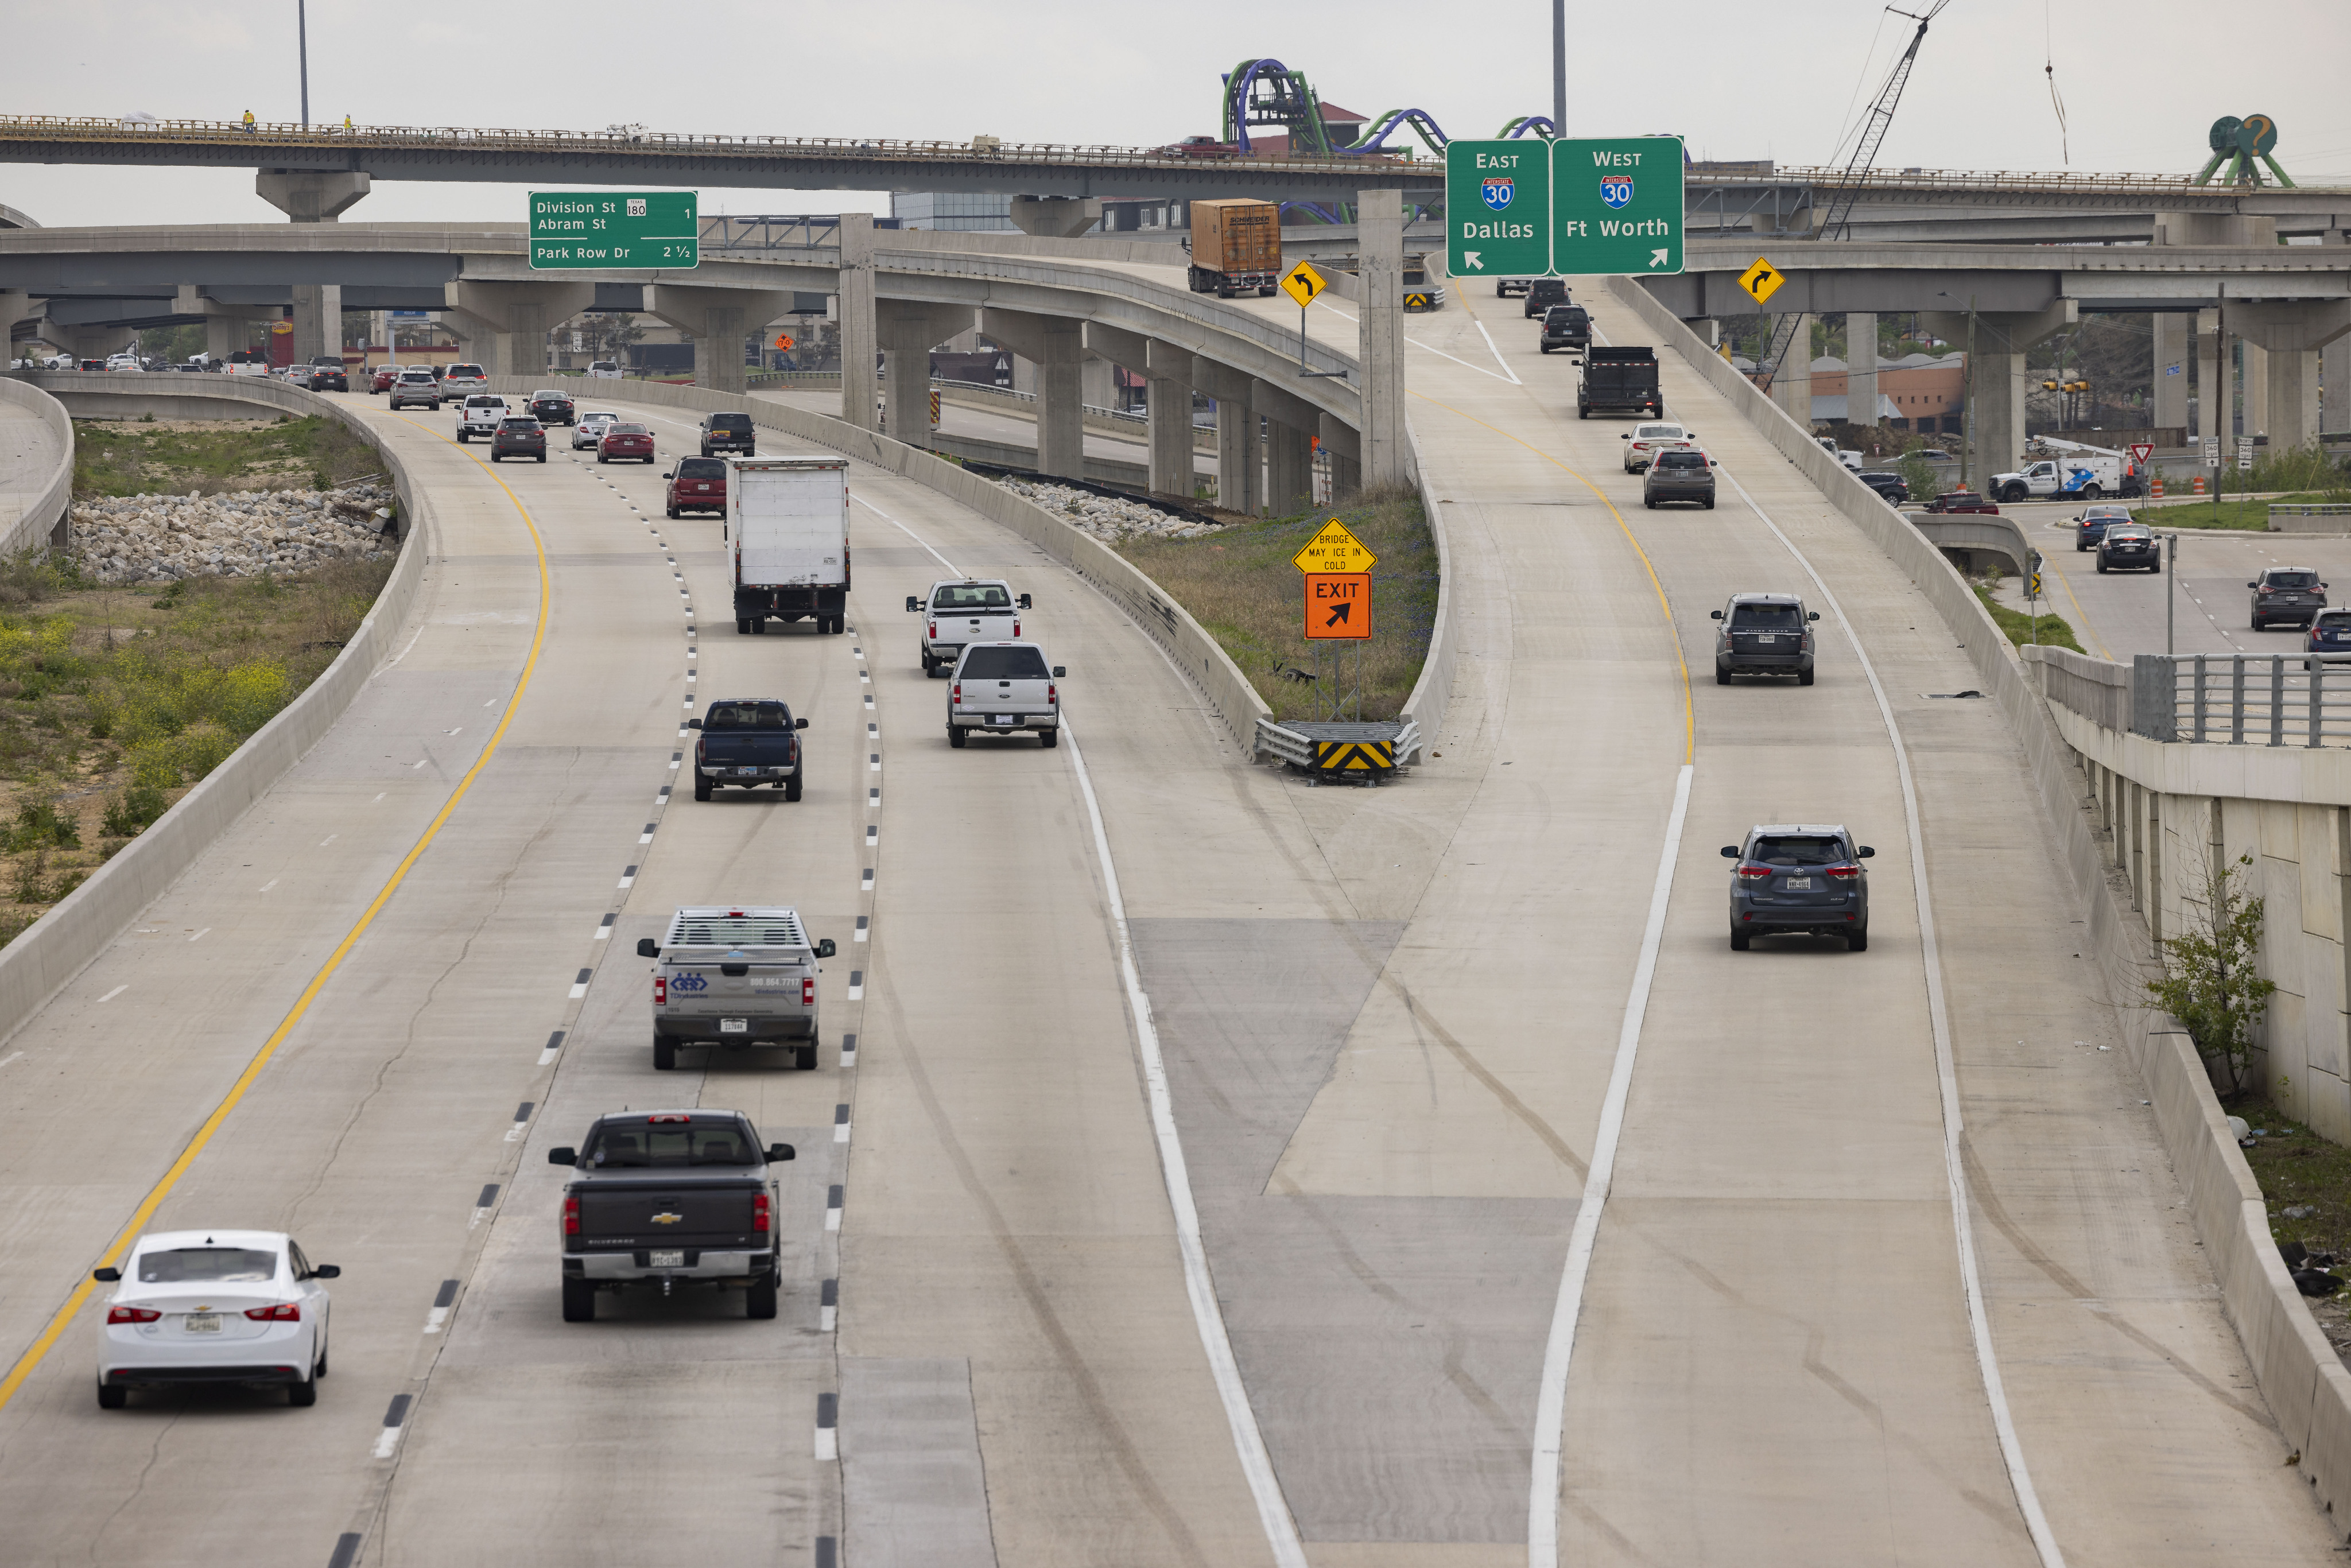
column 1227, row 691
column 45, row 508
column 2099, row 689
column 56, row 946
column 1006, row 454
column 2299, row 1377
column 1431, row 693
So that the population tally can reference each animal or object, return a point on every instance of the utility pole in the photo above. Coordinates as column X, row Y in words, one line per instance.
column 302, row 46
column 1559, row 68
column 1968, row 436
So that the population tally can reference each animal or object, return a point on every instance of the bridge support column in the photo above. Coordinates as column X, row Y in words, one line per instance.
column 1166, row 370
column 2293, row 397
column 509, row 321
column 1861, row 368
column 1055, row 217
column 1056, row 345
column 2335, row 415
column 718, row 319
column 1791, row 384
column 313, row 196
column 2290, row 338
column 2253, row 370
column 16, row 306
column 1385, row 451
column 2215, row 402
column 859, row 332
column 1291, row 426
column 908, row 333
column 2170, row 369
column 1344, row 448
column 1996, row 375
column 1241, row 484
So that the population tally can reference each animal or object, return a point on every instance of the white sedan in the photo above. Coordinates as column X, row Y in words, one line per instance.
column 1644, row 441
column 590, row 430
column 213, row 1306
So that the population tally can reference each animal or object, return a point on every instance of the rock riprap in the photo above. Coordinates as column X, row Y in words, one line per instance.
column 153, row 538
column 1108, row 519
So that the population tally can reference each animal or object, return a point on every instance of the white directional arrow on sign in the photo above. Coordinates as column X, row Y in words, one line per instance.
column 1657, row 258
column 1470, row 258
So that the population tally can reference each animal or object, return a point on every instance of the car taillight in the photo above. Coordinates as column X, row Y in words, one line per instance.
column 661, row 990
column 1845, row 873
column 955, row 694
column 284, row 1313
column 1053, row 692
column 808, row 993
column 131, row 1315
column 1755, row 871
column 2267, row 589
column 570, row 1217
column 760, row 1217
column 1016, row 628
column 934, row 630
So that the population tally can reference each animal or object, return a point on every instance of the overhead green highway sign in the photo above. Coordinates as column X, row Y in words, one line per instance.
column 1497, row 209
column 575, row 230
column 1616, row 205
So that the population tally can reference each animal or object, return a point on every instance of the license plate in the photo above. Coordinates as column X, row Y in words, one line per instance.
column 1799, row 884
column 1000, row 718
column 202, row 1322
column 733, row 1026
column 747, row 772
column 669, row 1260
column 1768, row 637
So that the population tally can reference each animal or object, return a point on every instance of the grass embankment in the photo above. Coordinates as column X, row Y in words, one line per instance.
column 215, row 456
column 2050, row 631
column 2249, row 516
column 1240, row 587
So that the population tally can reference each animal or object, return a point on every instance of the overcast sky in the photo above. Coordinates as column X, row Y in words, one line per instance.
column 2141, row 79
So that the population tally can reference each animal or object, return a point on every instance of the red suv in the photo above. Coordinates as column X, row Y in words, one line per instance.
column 625, row 440
column 698, row 484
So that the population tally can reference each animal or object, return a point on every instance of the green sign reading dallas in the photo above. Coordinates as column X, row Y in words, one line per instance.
column 575, row 230
column 1533, row 209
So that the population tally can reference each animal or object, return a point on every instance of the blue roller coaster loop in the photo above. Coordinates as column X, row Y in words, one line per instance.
column 1267, row 92
column 1539, row 124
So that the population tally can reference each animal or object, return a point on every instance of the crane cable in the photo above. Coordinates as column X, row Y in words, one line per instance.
column 2049, row 70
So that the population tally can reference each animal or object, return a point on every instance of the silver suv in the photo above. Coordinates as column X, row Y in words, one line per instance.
column 1798, row 879
column 1682, row 473
column 1764, row 634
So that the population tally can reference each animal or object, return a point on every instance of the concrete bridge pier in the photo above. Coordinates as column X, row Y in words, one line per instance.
column 2216, row 399
column 1344, row 448
column 2170, row 351
column 908, row 332
column 228, row 327
column 1166, row 370
column 508, row 322
column 1386, row 453
column 2283, row 345
column 1792, row 383
column 718, row 320
column 1056, row 345
column 1055, row 217
column 2254, row 376
column 313, row 196
column 1241, row 484
column 859, row 340
column 1291, row 426
column 1996, row 375
column 1861, row 368
column 16, row 304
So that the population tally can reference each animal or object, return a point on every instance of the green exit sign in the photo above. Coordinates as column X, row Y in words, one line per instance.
column 1498, row 208
column 584, row 230
column 1616, row 205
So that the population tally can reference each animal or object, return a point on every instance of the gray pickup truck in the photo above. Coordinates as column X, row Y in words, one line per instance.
column 734, row 978
column 670, row 1196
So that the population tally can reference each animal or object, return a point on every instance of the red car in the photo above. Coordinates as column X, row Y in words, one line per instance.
column 625, row 440
column 1963, row 501
column 698, row 484
column 379, row 380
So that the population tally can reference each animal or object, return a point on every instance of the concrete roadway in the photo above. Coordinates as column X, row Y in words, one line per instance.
column 28, row 459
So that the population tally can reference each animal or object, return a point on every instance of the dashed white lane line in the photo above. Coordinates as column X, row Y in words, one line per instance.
column 201, row 935
column 848, row 1052
column 395, row 1422
column 330, row 839
column 273, row 882
column 856, row 985
column 828, row 1311
column 580, row 986
column 872, row 835
column 647, row 836
column 380, row 795
column 114, row 993
column 12, row 1056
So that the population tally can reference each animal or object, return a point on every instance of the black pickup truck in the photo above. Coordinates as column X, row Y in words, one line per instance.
column 1622, row 380
column 747, row 742
column 671, row 1197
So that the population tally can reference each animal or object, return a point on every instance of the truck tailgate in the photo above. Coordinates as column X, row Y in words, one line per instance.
column 792, row 534
column 627, row 1214
column 706, row 990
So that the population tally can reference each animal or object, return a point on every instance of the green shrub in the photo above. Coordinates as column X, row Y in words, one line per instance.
column 132, row 811
column 40, row 825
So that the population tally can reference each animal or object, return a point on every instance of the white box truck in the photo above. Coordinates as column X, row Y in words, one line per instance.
column 787, row 528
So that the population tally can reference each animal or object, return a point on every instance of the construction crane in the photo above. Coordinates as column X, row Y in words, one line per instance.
column 1834, row 223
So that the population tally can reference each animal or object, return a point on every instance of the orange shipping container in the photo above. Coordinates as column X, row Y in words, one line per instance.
column 1237, row 245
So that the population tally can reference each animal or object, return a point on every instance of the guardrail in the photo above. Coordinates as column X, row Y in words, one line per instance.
column 2242, row 699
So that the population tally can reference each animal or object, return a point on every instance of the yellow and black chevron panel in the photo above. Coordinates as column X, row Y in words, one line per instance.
column 1354, row 756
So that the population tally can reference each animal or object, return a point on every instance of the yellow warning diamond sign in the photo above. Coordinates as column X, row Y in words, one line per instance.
column 1302, row 283
column 1333, row 548
column 1761, row 280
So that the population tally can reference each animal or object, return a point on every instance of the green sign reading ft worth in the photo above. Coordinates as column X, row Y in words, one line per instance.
column 1616, row 205
column 1497, row 209
column 590, row 229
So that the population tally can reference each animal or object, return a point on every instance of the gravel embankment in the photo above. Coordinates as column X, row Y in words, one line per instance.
column 149, row 538
column 1107, row 519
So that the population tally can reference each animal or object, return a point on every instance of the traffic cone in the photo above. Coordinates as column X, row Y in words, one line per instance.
column 2199, row 483
column 2158, row 487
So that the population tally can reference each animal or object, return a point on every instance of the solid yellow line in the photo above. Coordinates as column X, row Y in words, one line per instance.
column 2085, row 614
column 1690, row 712
column 203, row 1135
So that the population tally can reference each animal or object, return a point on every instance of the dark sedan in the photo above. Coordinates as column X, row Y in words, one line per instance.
column 2091, row 526
column 1963, row 501
column 625, row 440
column 2129, row 546
column 552, row 408
column 1893, row 487
column 326, row 378
column 518, row 436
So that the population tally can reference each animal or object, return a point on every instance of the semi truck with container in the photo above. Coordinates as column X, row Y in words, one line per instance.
column 787, row 535
column 1236, row 247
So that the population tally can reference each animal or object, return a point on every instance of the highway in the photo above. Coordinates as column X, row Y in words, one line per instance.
column 1394, row 1026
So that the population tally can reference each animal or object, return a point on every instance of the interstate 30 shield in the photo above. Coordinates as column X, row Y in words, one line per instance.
column 1617, row 190
column 1496, row 191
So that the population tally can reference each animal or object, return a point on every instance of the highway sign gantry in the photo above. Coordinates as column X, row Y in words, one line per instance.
column 1338, row 605
column 644, row 230
column 1303, row 284
column 1761, row 280
column 1616, row 205
column 1497, row 209
column 1335, row 549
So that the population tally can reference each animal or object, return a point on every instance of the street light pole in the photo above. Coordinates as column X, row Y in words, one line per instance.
column 1559, row 68
column 302, row 46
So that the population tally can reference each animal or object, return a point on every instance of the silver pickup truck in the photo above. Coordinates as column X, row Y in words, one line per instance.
column 966, row 611
column 734, row 978
column 670, row 1196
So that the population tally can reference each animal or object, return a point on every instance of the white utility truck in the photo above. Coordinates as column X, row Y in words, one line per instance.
column 2076, row 472
column 966, row 611
column 788, row 530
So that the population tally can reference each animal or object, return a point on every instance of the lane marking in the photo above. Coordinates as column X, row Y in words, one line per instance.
column 553, row 1048
column 1551, row 1396
column 856, row 985
column 12, row 1056
column 828, row 1430
column 273, row 882
column 849, row 1050
column 2012, row 1449
column 201, row 935
column 330, row 839
column 907, row 531
column 114, row 993
column 833, row 1208
column 827, row 1310
column 203, row 1135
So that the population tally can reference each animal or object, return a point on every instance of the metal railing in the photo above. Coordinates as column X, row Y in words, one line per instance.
column 2243, row 699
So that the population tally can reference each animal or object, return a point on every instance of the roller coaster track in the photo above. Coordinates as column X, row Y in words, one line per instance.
column 1267, row 92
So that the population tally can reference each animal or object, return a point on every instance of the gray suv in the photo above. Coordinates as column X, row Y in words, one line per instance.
column 1799, row 879
column 1763, row 634
column 1678, row 474
column 2291, row 593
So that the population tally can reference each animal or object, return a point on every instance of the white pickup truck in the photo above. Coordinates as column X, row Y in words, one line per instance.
column 480, row 416
column 734, row 978
column 958, row 614
column 2078, row 474
column 1005, row 688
